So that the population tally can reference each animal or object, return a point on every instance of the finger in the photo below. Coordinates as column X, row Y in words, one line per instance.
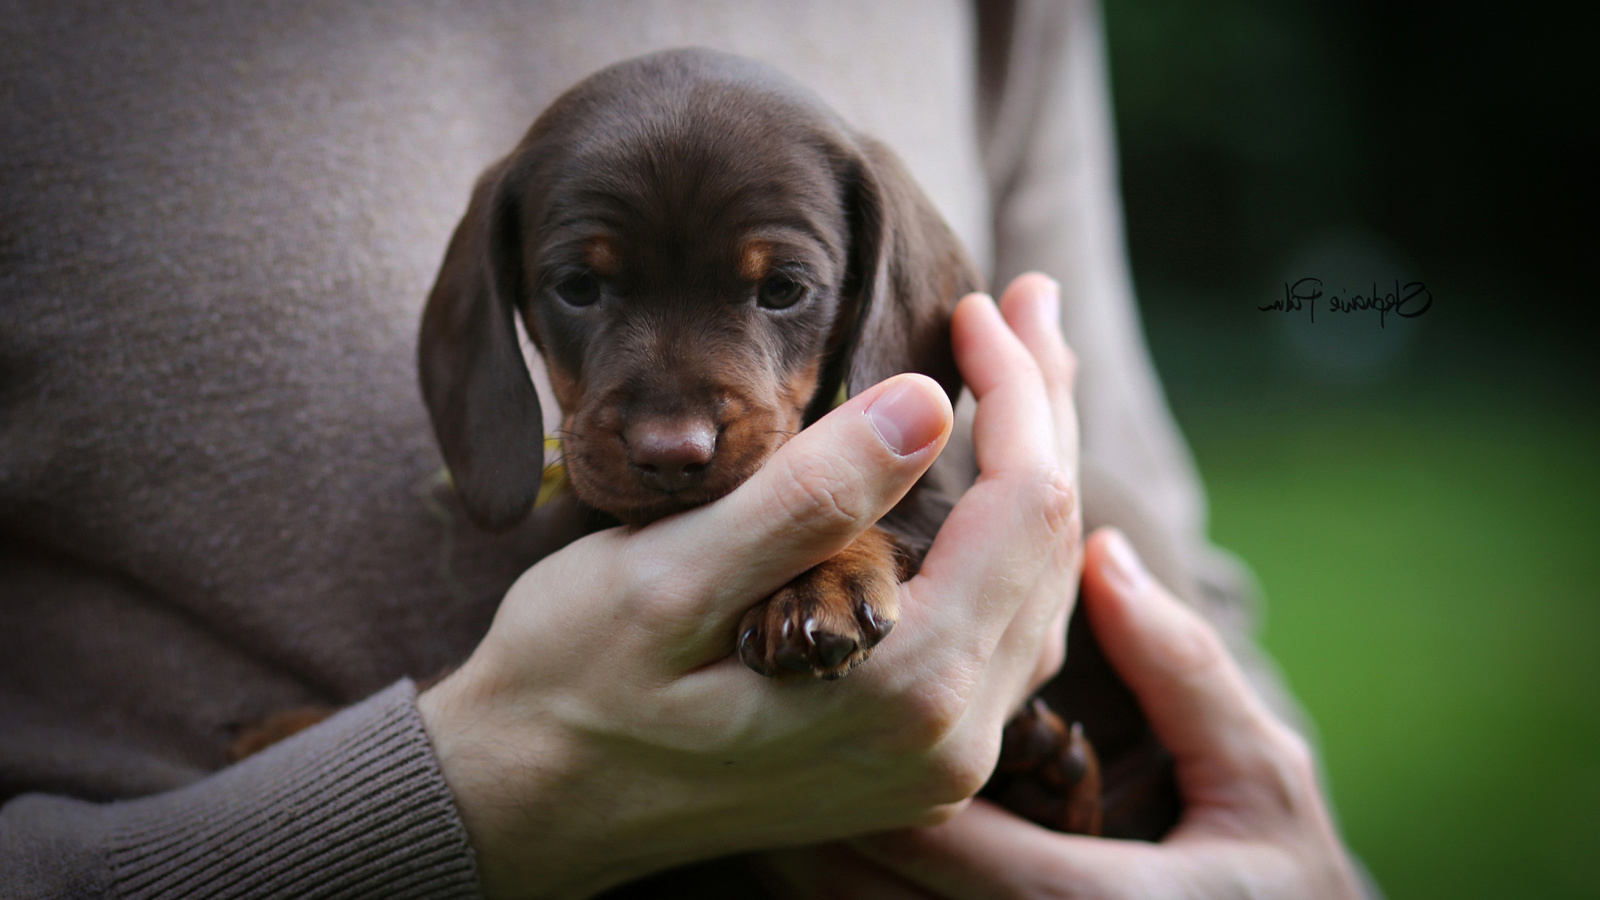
column 1007, row 382
column 1031, row 305
column 1195, row 697
column 815, row 495
column 1009, row 526
column 986, row 853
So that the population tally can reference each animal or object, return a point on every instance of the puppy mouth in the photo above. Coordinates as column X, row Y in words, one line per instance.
column 633, row 503
column 617, row 489
column 660, row 504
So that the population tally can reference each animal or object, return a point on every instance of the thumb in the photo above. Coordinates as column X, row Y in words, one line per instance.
column 815, row 495
column 1198, row 702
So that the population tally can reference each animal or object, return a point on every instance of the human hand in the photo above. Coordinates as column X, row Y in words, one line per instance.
column 1254, row 823
column 603, row 730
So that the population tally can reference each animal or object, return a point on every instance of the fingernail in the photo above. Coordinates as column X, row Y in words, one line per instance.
column 1049, row 308
column 1122, row 568
column 905, row 417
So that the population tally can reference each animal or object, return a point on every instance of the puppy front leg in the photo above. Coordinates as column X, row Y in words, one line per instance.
column 826, row 621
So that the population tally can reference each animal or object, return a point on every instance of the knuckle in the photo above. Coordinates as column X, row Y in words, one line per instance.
column 957, row 761
column 1057, row 503
column 957, row 776
column 1295, row 752
column 931, row 717
column 1069, row 549
column 1286, row 771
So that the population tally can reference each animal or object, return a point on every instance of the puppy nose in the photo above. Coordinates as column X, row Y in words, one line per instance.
column 671, row 454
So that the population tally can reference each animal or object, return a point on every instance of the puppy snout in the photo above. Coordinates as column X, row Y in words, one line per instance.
column 671, row 454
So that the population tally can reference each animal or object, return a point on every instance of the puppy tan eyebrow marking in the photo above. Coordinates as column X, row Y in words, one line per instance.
column 600, row 254
column 755, row 259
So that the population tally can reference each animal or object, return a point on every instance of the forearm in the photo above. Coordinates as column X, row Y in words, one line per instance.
column 353, row 808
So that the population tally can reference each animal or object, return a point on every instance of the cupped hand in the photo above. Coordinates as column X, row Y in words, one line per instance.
column 1254, row 824
column 604, row 728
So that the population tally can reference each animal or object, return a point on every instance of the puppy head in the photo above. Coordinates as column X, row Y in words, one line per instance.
column 704, row 255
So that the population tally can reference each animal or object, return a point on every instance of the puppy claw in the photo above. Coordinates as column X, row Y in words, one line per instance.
column 750, row 653
column 825, row 622
column 875, row 628
column 1078, row 758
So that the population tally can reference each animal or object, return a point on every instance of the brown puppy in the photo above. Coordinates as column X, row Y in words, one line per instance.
column 706, row 257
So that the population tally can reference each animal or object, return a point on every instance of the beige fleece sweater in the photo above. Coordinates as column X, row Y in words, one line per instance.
column 218, row 223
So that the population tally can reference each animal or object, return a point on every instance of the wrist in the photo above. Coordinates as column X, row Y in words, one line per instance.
column 504, row 776
column 551, row 810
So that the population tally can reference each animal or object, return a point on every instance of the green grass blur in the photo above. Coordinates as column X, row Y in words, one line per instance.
column 1431, row 579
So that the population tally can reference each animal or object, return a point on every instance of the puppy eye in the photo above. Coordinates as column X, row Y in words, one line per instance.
column 778, row 292
column 579, row 290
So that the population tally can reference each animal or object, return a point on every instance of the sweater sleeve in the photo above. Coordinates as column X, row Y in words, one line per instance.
column 353, row 808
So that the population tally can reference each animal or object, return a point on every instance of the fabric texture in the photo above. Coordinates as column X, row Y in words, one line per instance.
column 218, row 491
column 355, row 808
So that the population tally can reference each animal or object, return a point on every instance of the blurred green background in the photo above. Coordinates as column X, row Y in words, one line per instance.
column 1418, row 499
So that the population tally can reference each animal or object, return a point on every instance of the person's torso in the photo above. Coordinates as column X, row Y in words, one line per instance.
column 218, row 225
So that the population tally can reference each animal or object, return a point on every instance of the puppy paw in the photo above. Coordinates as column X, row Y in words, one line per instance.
column 826, row 622
column 1048, row 772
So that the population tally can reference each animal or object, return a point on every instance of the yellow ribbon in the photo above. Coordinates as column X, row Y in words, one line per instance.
column 554, row 480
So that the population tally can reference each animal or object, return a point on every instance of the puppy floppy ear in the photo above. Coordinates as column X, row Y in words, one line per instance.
column 485, row 410
column 908, row 270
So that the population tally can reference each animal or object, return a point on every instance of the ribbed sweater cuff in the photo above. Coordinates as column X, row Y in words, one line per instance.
column 353, row 808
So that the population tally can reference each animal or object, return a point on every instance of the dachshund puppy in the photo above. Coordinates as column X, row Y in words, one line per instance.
column 707, row 259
